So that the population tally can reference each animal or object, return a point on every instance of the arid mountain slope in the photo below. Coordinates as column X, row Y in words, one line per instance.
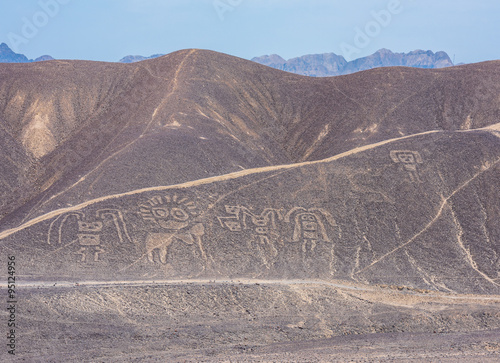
column 420, row 211
column 396, row 242
column 88, row 129
column 199, row 205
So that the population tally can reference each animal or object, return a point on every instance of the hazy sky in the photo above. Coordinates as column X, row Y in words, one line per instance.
column 110, row 29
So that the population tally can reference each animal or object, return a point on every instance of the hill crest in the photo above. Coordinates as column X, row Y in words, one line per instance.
column 331, row 64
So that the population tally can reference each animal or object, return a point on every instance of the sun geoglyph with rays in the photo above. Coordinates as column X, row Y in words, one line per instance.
column 175, row 217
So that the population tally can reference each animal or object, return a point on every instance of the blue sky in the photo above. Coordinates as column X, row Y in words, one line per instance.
column 107, row 30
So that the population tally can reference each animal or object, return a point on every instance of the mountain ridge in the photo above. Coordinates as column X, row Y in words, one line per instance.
column 331, row 64
column 315, row 65
column 138, row 58
column 9, row 56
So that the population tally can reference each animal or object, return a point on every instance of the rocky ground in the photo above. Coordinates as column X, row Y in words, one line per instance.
column 252, row 321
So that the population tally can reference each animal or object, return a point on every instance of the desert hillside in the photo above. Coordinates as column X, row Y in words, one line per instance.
column 97, row 128
column 199, row 204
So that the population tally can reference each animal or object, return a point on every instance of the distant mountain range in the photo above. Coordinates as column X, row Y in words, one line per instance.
column 7, row 55
column 138, row 58
column 331, row 64
column 315, row 65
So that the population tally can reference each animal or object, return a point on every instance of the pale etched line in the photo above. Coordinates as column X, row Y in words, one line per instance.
column 222, row 197
column 352, row 99
column 103, row 304
column 50, row 307
column 63, row 247
column 154, row 75
column 432, row 279
column 244, row 281
column 60, row 227
column 174, row 88
column 116, row 303
column 41, row 202
column 98, row 177
column 316, row 142
column 356, row 264
column 393, row 109
column 126, row 146
column 494, row 129
column 204, row 181
column 111, row 213
column 468, row 255
column 418, row 268
column 440, row 211
column 206, row 211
